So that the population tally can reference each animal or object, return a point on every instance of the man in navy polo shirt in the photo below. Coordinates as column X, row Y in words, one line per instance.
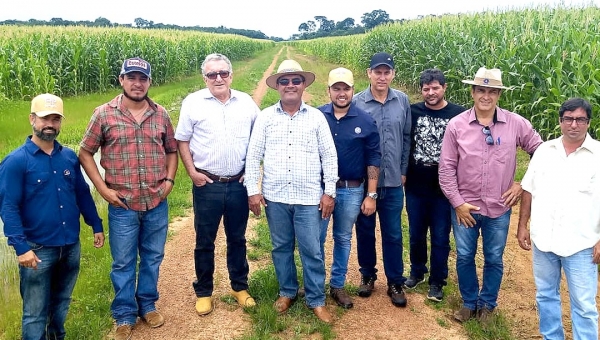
column 357, row 143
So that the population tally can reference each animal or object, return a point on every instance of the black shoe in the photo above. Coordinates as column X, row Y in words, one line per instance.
column 367, row 285
column 435, row 293
column 396, row 293
column 413, row 282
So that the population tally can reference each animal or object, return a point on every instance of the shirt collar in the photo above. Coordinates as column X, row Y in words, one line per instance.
column 118, row 102
column 390, row 95
column 32, row 148
column 588, row 144
column 499, row 115
column 303, row 107
column 328, row 109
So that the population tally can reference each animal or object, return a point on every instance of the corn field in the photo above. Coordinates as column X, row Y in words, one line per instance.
column 546, row 54
column 77, row 60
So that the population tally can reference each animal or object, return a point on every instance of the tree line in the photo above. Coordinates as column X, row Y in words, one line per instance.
column 320, row 27
column 142, row 24
column 323, row 27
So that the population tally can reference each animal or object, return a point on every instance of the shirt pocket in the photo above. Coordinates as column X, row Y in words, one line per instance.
column 584, row 182
column 501, row 153
column 36, row 182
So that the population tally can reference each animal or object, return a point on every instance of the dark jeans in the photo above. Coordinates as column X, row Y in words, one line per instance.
column 389, row 209
column 46, row 291
column 212, row 202
column 429, row 212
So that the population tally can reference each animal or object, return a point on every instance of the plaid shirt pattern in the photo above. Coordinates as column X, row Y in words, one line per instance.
column 298, row 155
column 133, row 154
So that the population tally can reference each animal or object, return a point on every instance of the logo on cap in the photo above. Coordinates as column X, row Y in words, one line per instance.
column 50, row 103
column 137, row 63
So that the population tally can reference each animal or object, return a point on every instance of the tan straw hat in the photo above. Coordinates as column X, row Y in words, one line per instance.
column 290, row 67
column 487, row 78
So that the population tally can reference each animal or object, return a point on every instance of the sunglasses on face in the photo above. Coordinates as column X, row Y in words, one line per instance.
column 286, row 82
column 213, row 75
column 489, row 140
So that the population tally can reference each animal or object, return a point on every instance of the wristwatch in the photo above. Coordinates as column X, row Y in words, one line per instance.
column 373, row 195
column 331, row 195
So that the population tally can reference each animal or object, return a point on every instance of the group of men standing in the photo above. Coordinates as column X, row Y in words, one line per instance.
column 350, row 160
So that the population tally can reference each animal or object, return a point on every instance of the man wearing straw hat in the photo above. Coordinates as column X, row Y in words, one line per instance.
column 294, row 142
column 42, row 194
column 477, row 170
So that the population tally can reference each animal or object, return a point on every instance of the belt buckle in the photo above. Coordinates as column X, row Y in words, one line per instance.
column 224, row 179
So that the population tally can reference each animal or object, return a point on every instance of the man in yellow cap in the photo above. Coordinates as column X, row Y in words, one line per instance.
column 357, row 143
column 295, row 144
column 42, row 195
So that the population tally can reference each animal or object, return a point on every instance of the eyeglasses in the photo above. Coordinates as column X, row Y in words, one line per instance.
column 213, row 75
column 489, row 140
column 286, row 82
column 570, row 120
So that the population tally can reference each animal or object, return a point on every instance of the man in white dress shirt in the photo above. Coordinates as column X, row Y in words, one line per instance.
column 562, row 197
column 294, row 142
column 212, row 136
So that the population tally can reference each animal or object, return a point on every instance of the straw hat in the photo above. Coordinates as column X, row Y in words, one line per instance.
column 290, row 67
column 487, row 78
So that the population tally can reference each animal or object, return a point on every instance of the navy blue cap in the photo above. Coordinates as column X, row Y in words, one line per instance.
column 136, row 65
column 382, row 58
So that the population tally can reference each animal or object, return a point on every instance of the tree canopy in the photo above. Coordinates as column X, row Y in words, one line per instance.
column 323, row 27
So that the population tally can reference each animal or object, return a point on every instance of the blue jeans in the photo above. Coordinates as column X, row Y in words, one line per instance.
column 212, row 202
column 389, row 208
column 582, row 282
column 493, row 232
column 132, row 233
column 287, row 223
column 429, row 212
column 346, row 210
column 46, row 291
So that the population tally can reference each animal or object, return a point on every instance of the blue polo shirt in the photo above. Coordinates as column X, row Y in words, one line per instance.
column 356, row 140
column 42, row 196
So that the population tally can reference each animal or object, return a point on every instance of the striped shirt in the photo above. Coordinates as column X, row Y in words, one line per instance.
column 133, row 155
column 218, row 132
column 298, row 155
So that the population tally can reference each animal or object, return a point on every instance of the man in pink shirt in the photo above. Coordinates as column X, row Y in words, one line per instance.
column 477, row 170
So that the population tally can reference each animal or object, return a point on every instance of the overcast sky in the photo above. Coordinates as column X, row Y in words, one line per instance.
column 274, row 18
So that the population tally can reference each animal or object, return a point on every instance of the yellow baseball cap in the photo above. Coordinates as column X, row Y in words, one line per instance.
column 342, row 75
column 47, row 104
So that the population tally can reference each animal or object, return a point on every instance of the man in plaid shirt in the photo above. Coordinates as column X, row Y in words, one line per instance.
column 294, row 142
column 139, row 155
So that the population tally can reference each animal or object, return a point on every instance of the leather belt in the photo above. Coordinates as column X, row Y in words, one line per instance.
column 221, row 179
column 350, row 183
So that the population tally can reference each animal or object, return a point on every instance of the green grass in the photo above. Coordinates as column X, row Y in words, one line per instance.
column 89, row 315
